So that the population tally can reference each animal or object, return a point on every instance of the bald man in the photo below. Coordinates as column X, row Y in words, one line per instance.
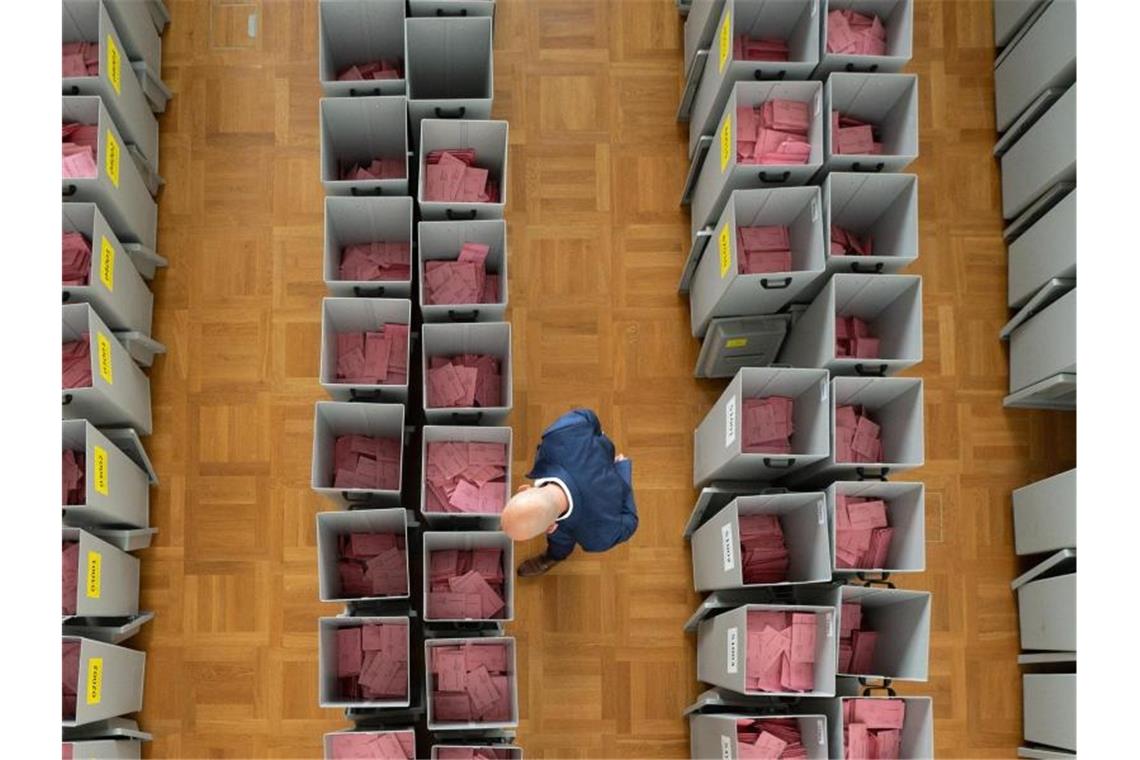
column 582, row 494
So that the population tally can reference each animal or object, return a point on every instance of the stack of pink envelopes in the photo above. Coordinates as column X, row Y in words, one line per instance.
column 768, row 738
column 464, row 381
column 470, row 683
column 862, row 533
column 856, row 643
column 763, row 249
column 377, row 357
column 74, row 477
column 851, row 135
column 856, row 436
column 451, row 175
column 473, row 753
column 377, row 260
column 70, row 571
column 781, row 651
column 79, row 150
column 774, row 132
column 68, row 752
column 372, row 564
column 763, row 549
column 872, row 728
column 77, row 363
column 377, row 168
column 466, row 584
column 463, row 281
column 767, row 425
column 745, row 48
column 363, row 461
column 76, row 259
column 372, row 661
column 468, row 477
column 853, row 338
column 70, row 678
column 385, row 68
column 80, row 59
column 847, row 243
column 852, row 33
column 372, row 745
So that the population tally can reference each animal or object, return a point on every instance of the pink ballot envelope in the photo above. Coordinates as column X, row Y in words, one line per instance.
column 769, row 746
column 867, row 514
column 863, row 651
column 803, row 637
column 491, row 656
column 348, row 651
column 482, row 691
column 850, row 618
column 856, row 741
column 879, row 713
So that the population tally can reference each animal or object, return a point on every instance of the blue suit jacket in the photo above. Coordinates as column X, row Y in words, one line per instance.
column 575, row 451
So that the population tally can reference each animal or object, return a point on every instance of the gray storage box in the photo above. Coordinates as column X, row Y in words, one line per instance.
column 718, row 558
column 718, row 442
column 897, row 17
column 110, row 681
column 346, row 315
column 328, row 738
column 337, row 418
column 489, row 139
column 701, row 25
column 441, row 241
column 884, row 206
column 1044, row 57
column 917, row 735
column 137, row 22
column 451, row 7
column 889, row 102
column 433, row 724
column 349, row 221
column 118, row 187
column 715, row 735
column 513, row 752
column 1042, row 157
column 906, row 513
column 327, row 628
column 902, row 621
column 464, row 434
column 1049, row 709
column 359, row 31
column 722, row 644
column 464, row 540
column 1010, row 16
column 450, row 68
column 115, row 84
column 119, row 394
column 117, row 489
column 450, row 339
column 891, row 304
column 1045, row 345
column 1047, row 604
column 115, row 288
column 720, row 173
column 719, row 289
column 107, row 749
column 332, row 525
column 1045, row 515
column 1046, row 251
column 795, row 22
column 108, row 578
column 358, row 130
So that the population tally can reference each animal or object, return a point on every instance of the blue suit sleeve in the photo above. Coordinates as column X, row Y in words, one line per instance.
column 628, row 507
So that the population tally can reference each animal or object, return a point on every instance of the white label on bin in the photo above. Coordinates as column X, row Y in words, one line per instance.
column 725, row 42
column 817, row 102
column 830, row 625
column 823, row 391
column 726, row 747
column 730, row 422
column 727, row 547
column 814, row 209
column 820, row 513
column 819, row 730
column 733, row 649
column 814, row 11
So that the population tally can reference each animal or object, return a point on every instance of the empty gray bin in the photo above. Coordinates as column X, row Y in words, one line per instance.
column 349, row 221
column 1045, row 251
column 1047, row 604
column 450, row 68
column 1045, row 345
column 358, row 130
column 451, row 7
column 1044, row 57
column 359, row 31
column 1045, row 515
column 1049, row 709
column 1042, row 157
column 119, row 394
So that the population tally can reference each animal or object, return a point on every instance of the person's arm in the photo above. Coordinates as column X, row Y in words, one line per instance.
column 628, row 508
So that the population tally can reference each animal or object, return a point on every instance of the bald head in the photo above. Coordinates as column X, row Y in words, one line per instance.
column 531, row 511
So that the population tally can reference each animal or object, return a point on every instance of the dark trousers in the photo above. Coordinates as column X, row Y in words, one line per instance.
column 559, row 544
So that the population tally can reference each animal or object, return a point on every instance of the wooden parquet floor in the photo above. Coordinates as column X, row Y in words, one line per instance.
column 597, row 240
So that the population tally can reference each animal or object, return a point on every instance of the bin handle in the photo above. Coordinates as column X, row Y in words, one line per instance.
column 870, row 70
column 458, row 113
column 861, row 473
column 876, row 580
column 765, row 283
column 355, row 93
column 357, row 395
column 376, row 191
column 870, row 688
column 360, row 292
column 784, row 177
column 66, row 296
column 857, row 268
column 861, row 369
column 356, row 498
column 775, row 464
column 69, row 191
column 758, row 74
column 454, row 215
column 440, row 12
column 858, row 167
column 469, row 315
column 66, row 399
column 467, row 417
column 73, row 89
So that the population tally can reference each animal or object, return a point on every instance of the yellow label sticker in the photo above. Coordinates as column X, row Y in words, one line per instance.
column 725, row 42
column 114, row 65
column 736, row 343
column 726, row 147
column 101, row 480
column 107, row 264
column 725, row 245
column 94, row 680
column 94, row 574
column 103, row 344
column 112, row 161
